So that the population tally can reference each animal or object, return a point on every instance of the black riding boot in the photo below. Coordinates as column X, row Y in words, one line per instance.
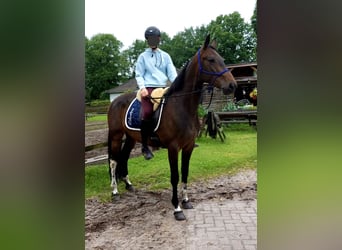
column 146, row 128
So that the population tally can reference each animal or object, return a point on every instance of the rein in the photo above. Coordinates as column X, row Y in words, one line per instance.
column 178, row 95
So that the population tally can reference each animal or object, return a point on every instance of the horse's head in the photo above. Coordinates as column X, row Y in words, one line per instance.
column 212, row 68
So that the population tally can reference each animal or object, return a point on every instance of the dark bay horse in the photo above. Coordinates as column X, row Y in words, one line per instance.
column 178, row 126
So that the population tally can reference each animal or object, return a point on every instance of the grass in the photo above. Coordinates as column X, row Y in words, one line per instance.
column 96, row 122
column 212, row 158
column 95, row 118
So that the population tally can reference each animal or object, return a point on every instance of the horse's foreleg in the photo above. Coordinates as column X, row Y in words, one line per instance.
column 186, row 154
column 173, row 160
column 124, row 156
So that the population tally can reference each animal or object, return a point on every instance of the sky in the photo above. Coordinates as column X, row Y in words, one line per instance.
column 127, row 20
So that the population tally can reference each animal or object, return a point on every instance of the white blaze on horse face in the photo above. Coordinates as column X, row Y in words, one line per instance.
column 112, row 171
column 185, row 193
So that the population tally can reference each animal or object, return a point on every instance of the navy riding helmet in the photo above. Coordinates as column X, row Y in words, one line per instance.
column 152, row 35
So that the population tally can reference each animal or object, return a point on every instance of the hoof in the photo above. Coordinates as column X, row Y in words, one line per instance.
column 147, row 153
column 179, row 215
column 148, row 156
column 187, row 205
column 115, row 197
column 130, row 188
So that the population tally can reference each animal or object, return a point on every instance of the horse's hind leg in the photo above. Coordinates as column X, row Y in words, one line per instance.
column 118, row 158
column 114, row 183
column 114, row 148
column 122, row 170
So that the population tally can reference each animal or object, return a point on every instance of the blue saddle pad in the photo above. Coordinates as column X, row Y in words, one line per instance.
column 132, row 117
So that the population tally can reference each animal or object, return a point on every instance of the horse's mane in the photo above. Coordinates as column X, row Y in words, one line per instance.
column 178, row 83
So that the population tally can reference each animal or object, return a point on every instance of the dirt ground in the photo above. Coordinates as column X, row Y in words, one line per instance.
column 144, row 219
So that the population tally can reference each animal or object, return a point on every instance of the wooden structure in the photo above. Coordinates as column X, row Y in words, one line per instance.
column 238, row 116
column 246, row 76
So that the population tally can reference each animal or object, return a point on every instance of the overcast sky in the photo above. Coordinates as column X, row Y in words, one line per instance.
column 128, row 19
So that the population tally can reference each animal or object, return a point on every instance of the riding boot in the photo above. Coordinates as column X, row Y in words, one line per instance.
column 145, row 133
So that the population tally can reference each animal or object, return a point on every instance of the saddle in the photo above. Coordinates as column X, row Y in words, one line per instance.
column 156, row 96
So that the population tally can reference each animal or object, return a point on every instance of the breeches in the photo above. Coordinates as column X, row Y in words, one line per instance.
column 147, row 106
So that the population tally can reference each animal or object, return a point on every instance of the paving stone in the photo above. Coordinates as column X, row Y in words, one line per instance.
column 228, row 225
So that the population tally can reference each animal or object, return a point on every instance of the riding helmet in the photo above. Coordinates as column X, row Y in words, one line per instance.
column 152, row 31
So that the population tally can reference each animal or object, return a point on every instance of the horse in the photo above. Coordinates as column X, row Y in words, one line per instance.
column 178, row 124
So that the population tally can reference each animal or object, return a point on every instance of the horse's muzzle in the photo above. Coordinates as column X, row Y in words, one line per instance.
column 230, row 89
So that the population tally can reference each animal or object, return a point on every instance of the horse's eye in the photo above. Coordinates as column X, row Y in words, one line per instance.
column 211, row 60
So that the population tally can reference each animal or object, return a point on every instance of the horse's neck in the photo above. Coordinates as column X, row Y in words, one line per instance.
column 191, row 92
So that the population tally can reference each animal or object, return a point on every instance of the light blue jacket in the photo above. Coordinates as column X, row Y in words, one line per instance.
column 154, row 68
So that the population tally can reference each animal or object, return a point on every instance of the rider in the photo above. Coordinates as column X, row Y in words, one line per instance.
column 154, row 68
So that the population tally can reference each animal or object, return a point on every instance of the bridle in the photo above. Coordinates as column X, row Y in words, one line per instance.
column 217, row 74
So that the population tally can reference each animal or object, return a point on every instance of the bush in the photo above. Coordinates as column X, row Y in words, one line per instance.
column 97, row 103
column 202, row 111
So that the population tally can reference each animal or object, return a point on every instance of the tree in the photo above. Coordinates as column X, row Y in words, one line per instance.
column 131, row 56
column 105, row 66
column 254, row 20
column 235, row 38
column 185, row 44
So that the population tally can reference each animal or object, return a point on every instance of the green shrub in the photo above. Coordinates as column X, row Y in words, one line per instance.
column 202, row 111
column 97, row 103
column 97, row 106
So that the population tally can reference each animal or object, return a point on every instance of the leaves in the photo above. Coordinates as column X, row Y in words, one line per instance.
column 105, row 65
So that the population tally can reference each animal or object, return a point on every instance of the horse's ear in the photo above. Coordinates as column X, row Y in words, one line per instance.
column 214, row 44
column 207, row 40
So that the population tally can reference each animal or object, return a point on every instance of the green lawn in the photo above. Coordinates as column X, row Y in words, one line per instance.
column 212, row 158
column 94, row 118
